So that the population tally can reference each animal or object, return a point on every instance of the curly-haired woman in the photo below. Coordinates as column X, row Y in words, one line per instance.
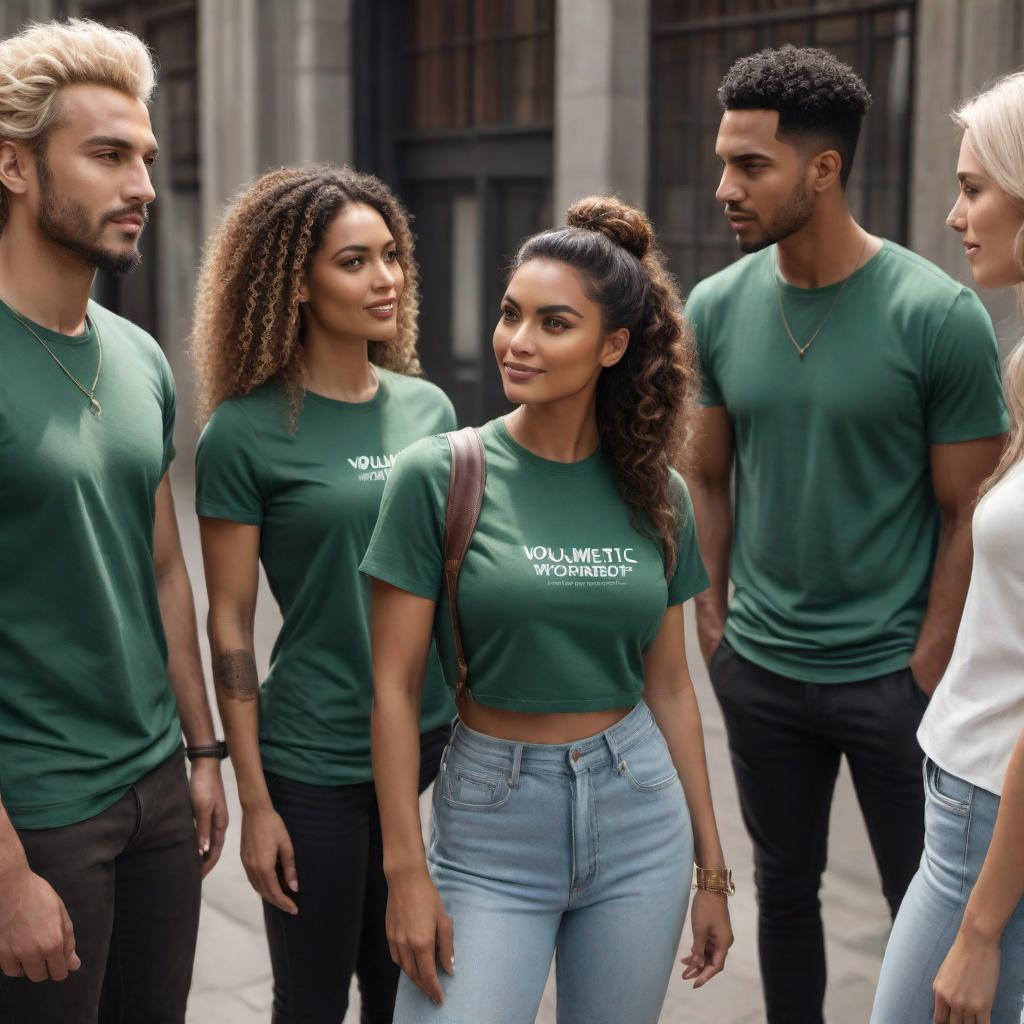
column 305, row 344
column 956, row 953
column 560, row 825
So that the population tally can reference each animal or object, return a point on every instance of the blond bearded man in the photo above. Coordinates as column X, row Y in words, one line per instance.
column 103, row 837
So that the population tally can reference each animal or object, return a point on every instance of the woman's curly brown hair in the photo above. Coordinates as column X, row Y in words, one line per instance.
column 247, row 327
column 645, row 401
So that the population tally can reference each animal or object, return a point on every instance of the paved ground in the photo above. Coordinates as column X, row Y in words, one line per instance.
column 232, row 979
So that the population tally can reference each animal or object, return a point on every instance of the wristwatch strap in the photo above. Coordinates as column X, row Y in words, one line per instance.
column 218, row 750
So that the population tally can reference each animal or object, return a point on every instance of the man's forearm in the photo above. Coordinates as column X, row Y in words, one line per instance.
column 12, row 853
column 950, row 580
column 184, row 664
column 712, row 505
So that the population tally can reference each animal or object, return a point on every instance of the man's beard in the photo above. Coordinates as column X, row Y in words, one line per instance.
column 67, row 224
column 795, row 213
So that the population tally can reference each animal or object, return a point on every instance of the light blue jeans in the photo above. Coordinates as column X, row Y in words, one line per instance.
column 959, row 819
column 582, row 851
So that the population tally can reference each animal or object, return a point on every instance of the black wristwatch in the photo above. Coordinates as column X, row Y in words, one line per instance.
column 218, row 750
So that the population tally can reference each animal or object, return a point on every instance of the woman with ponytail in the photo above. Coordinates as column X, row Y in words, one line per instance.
column 956, row 953
column 574, row 793
column 305, row 346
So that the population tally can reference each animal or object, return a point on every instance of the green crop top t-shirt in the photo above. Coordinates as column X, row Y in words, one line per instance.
column 559, row 597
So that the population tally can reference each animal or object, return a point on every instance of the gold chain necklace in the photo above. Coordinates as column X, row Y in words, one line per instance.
column 94, row 404
column 802, row 349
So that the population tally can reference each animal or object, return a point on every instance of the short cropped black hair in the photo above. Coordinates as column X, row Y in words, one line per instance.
column 816, row 95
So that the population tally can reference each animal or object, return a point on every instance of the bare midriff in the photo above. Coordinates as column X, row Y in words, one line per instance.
column 529, row 727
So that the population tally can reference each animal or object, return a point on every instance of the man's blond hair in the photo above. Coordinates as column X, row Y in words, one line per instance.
column 47, row 56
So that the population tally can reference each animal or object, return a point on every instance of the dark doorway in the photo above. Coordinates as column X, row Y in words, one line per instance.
column 454, row 110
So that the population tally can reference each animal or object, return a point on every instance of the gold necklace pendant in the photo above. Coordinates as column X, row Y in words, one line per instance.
column 94, row 407
column 802, row 349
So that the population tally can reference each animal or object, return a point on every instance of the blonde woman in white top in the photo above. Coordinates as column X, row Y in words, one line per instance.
column 956, row 953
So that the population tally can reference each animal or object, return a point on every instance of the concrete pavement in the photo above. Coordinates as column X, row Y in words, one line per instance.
column 232, row 976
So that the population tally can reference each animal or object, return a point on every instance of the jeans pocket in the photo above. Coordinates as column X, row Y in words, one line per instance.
column 648, row 766
column 466, row 784
column 948, row 791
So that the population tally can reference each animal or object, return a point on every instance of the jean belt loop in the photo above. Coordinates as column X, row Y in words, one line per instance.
column 517, row 760
column 613, row 749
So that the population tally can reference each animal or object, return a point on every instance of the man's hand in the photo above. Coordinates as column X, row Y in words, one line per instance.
column 209, row 808
column 37, row 939
column 709, row 638
column 926, row 676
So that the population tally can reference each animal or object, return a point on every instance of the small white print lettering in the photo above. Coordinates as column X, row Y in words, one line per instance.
column 582, row 567
column 372, row 467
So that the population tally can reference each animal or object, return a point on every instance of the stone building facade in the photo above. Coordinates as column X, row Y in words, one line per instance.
column 490, row 116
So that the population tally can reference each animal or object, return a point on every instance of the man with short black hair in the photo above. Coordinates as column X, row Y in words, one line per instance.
column 854, row 388
column 103, row 836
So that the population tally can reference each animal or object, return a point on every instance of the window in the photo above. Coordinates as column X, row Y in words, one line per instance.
column 477, row 63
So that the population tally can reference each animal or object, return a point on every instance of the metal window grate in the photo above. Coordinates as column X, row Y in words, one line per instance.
column 694, row 44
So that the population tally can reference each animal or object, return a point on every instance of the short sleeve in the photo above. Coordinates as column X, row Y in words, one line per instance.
column 690, row 576
column 451, row 420
column 710, row 393
column 231, row 475
column 407, row 546
column 170, row 406
column 964, row 394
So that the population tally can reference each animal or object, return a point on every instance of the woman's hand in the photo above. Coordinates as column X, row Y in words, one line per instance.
column 419, row 931
column 712, row 937
column 265, row 845
column 965, row 987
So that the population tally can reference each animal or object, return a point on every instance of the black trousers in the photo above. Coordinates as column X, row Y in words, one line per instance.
column 342, row 899
column 129, row 878
column 786, row 739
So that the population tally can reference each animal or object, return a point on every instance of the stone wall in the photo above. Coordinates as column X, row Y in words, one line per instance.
column 961, row 46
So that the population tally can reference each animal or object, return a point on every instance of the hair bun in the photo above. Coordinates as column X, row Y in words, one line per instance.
column 623, row 224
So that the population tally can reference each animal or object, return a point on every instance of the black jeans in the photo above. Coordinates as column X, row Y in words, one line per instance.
column 342, row 899
column 786, row 739
column 129, row 878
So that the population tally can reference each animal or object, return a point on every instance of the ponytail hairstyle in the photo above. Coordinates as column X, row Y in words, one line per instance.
column 995, row 119
column 247, row 327
column 644, row 401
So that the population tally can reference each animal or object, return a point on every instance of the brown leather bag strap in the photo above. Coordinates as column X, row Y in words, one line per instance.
column 465, row 498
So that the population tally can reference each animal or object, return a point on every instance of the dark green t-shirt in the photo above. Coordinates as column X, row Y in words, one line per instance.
column 559, row 596
column 836, row 522
column 315, row 493
column 85, row 706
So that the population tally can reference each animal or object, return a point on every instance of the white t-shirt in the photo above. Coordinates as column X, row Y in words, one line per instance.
column 977, row 714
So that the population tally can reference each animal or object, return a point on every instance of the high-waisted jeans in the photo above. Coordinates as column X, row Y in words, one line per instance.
column 582, row 851
column 959, row 819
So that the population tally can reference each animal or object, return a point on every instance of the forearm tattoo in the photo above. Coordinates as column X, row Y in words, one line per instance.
column 235, row 674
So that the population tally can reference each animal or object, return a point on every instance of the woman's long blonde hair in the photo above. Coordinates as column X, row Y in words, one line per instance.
column 995, row 119
column 247, row 328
